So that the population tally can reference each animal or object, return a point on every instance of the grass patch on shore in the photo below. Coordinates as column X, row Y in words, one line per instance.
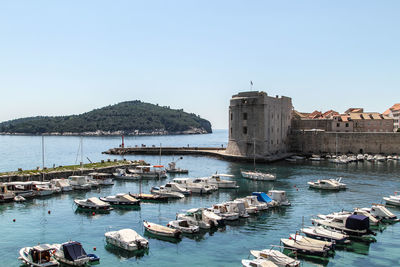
column 73, row 167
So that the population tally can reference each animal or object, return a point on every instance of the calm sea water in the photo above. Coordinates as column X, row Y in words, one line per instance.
column 367, row 183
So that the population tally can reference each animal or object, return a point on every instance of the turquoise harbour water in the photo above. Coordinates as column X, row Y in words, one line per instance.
column 367, row 183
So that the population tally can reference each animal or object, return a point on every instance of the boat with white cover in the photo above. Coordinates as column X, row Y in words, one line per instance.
column 312, row 241
column 160, row 230
column 79, row 182
column 276, row 257
column 38, row 256
column 63, row 184
column 258, row 176
column 185, row 226
column 279, row 196
column 327, row 184
column 393, row 200
column 258, row 263
column 222, row 210
column 321, row 233
column 71, row 253
column 308, row 249
column 121, row 199
column 149, row 172
column 127, row 239
column 123, row 175
column 253, row 201
column 195, row 188
column 380, row 212
column 166, row 192
column 93, row 203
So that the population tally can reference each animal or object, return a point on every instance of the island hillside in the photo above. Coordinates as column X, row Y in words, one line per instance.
column 125, row 118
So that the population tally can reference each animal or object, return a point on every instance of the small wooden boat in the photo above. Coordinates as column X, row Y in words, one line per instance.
column 258, row 263
column 149, row 197
column 127, row 239
column 71, row 253
column 276, row 257
column 310, row 249
column 38, row 256
column 93, row 203
column 160, row 230
column 321, row 233
column 121, row 199
column 184, row 226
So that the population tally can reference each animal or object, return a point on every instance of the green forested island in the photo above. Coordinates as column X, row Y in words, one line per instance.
column 127, row 118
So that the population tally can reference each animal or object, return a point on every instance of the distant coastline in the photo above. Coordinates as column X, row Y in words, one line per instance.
column 114, row 133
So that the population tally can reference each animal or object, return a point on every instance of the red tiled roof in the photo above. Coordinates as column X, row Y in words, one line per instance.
column 393, row 108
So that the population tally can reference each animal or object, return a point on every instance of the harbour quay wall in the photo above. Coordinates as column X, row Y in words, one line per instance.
column 40, row 176
column 320, row 142
column 164, row 150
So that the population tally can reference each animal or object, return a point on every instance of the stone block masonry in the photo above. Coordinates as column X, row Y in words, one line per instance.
column 332, row 142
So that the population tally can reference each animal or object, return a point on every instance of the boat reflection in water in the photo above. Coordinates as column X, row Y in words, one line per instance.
column 125, row 254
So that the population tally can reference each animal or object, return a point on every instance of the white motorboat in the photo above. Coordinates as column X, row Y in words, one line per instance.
column 38, row 256
column 160, row 230
column 79, row 182
column 327, row 184
column 216, row 180
column 382, row 213
column 103, row 179
column 222, row 210
column 63, row 184
column 71, row 253
column 123, row 175
column 206, row 182
column 354, row 225
column 316, row 158
column 19, row 199
column 321, row 233
column 127, row 239
column 175, row 187
column 185, row 226
column 379, row 158
column 253, row 201
column 279, row 196
column 249, row 208
column 237, row 206
column 393, row 200
column 258, row 176
column 195, row 217
column 360, row 157
column 42, row 188
column 195, row 188
column 121, row 199
column 5, row 194
column 258, row 263
column 276, row 257
column 149, row 172
column 93, row 203
column 173, row 169
column 166, row 192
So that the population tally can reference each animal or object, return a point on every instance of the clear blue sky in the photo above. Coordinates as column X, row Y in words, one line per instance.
column 68, row 57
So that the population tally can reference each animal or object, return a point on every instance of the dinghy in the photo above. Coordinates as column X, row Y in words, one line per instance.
column 160, row 230
column 184, row 226
column 38, row 256
column 276, row 257
column 127, row 239
column 71, row 253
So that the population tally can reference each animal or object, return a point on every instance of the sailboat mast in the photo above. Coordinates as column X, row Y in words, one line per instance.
column 42, row 152
column 159, row 161
column 254, row 153
column 81, row 151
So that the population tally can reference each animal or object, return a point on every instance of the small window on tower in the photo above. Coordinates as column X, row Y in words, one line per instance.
column 244, row 130
column 231, row 116
column 245, row 116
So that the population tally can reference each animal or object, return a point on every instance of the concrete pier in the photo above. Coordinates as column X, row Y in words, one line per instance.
column 218, row 152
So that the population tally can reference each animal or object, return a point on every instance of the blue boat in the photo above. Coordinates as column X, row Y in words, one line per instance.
column 262, row 197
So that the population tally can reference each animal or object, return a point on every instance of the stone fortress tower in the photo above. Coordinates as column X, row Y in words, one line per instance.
column 260, row 123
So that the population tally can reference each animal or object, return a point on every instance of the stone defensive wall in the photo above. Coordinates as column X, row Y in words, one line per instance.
column 320, row 142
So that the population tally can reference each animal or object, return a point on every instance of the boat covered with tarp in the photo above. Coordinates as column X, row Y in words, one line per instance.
column 71, row 253
column 127, row 239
